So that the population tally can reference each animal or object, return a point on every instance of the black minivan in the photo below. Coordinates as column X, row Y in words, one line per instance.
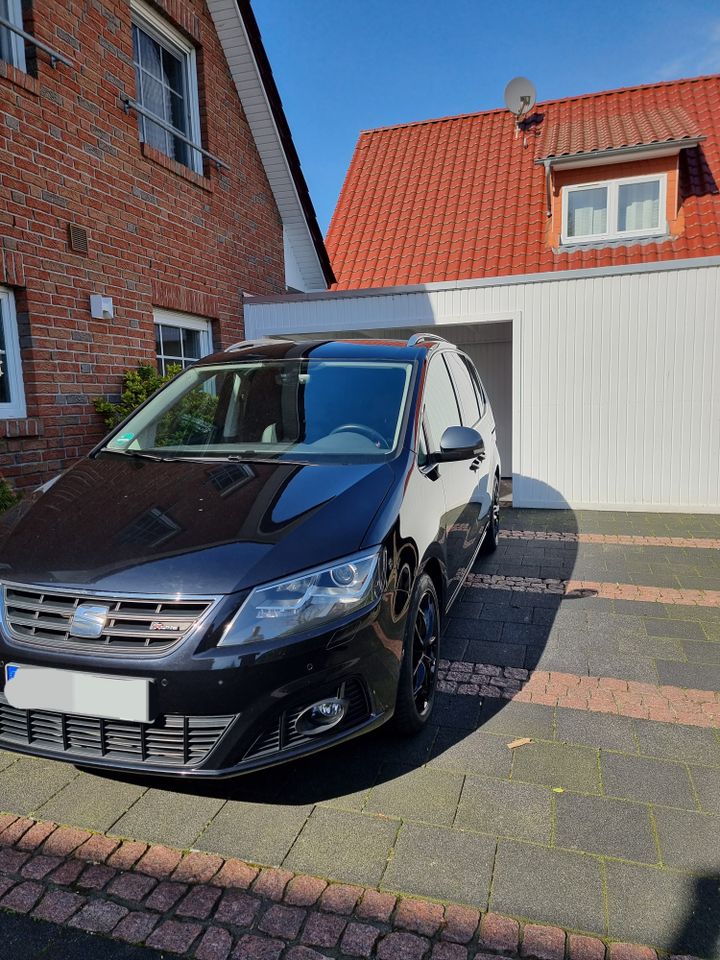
column 255, row 565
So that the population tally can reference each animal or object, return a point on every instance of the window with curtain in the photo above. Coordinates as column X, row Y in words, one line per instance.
column 12, row 47
column 614, row 209
column 166, row 86
column 639, row 205
column 587, row 212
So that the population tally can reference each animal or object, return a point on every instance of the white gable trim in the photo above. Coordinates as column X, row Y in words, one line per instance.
column 244, row 69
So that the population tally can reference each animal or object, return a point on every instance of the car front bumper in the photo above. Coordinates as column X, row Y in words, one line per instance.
column 218, row 711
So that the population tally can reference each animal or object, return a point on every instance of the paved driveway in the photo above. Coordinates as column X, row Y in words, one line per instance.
column 607, row 821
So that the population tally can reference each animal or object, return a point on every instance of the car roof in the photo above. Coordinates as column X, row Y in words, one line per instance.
column 363, row 349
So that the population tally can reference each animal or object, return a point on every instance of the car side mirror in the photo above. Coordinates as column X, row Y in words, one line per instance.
column 460, row 443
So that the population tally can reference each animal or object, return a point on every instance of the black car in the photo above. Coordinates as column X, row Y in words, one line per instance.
column 255, row 565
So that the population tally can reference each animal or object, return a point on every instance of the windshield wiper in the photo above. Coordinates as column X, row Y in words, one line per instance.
column 140, row 454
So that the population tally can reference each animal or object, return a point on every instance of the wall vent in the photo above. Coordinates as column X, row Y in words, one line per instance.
column 78, row 238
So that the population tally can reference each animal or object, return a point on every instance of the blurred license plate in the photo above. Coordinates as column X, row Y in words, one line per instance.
column 86, row 694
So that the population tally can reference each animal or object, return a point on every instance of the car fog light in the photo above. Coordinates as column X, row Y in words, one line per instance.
column 321, row 716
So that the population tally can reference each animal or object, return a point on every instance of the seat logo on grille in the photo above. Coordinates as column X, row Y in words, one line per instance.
column 89, row 621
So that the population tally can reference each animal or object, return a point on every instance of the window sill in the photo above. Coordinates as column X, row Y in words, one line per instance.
column 19, row 78
column 179, row 169
column 16, row 428
column 574, row 247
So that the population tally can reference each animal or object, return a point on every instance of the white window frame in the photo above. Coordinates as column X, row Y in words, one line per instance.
column 185, row 321
column 17, row 44
column 613, row 190
column 12, row 360
column 166, row 35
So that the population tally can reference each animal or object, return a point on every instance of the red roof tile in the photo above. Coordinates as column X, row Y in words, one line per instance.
column 462, row 197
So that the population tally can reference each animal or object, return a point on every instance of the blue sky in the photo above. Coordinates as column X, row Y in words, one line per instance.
column 345, row 65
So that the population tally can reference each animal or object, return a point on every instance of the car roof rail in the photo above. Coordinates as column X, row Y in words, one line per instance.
column 418, row 338
column 250, row 343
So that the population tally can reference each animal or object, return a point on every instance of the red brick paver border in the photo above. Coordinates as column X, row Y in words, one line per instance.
column 608, row 591
column 229, row 908
column 628, row 698
column 628, row 539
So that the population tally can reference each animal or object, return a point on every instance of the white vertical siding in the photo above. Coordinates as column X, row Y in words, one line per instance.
column 616, row 379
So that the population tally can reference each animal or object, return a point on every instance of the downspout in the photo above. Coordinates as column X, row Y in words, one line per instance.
column 548, row 192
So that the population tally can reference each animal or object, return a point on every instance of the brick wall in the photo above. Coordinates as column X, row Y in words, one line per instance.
column 159, row 235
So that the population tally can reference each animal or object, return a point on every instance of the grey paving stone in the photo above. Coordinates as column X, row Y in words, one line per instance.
column 350, row 847
column 547, row 885
column 472, row 629
column 475, row 752
column 678, row 742
column 506, row 613
column 707, row 785
column 260, row 832
column 675, row 913
column 7, row 758
column 683, row 629
column 648, row 780
column 595, row 730
column 615, row 828
column 27, row 784
column 499, row 654
column 667, row 648
column 689, row 842
column 608, row 623
column 640, row 608
column 93, row 802
column 639, row 670
column 164, row 816
column 425, row 794
column 701, row 651
column 517, row 810
column 523, row 633
column 518, row 719
column 557, row 765
column 694, row 676
column 456, row 712
column 442, row 864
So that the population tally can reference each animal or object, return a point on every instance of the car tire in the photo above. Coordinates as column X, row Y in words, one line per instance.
column 418, row 671
column 490, row 543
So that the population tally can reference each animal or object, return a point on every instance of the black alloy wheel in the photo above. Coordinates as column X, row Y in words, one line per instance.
column 418, row 673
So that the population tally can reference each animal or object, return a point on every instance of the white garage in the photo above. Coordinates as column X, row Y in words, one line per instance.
column 605, row 382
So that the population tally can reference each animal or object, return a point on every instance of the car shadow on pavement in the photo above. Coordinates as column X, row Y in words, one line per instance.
column 487, row 625
column 699, row 935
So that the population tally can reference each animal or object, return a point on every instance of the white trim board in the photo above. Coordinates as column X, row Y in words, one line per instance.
column 552, row 276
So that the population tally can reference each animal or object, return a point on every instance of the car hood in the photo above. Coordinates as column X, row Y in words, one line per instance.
column 140, row 526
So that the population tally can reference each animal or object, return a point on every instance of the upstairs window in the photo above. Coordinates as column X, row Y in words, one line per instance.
column 166, row 86
column 614, row 209
column 12, row 47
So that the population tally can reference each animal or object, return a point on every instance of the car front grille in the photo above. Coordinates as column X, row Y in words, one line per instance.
column 43, row 616
column 169, row 740
column 283, row 734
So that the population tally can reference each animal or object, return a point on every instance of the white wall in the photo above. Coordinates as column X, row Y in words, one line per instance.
column 616, row 378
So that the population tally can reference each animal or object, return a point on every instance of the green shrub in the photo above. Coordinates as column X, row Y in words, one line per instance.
column 138, row 385
column 8, row 497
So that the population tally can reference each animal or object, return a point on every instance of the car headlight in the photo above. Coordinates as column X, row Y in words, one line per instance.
column 308, row 601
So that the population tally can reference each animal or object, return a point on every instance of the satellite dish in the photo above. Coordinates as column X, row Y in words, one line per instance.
column 520, row 97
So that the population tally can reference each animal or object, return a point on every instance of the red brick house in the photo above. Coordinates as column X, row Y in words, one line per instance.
column 145, row 159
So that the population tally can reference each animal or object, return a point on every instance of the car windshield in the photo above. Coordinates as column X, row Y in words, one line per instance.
column 308, row 410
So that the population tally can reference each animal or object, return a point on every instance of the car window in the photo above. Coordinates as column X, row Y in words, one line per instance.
column 469, row 406
column 441, row 409
column 314, row 410
column 477, row 383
